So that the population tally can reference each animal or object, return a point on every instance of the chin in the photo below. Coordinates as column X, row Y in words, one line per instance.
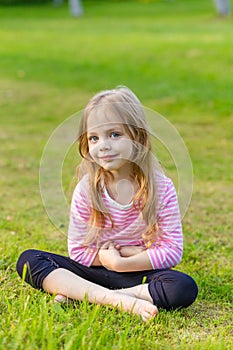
column 109, row 168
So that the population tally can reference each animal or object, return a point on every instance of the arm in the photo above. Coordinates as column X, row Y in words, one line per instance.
column 78, row 226
column 129, row 250
column 96, row 261
column 125, row 251
column 110, row 258
column 166, row 252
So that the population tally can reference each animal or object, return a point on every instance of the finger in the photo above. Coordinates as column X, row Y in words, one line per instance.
column 111, row 245
column 105, row 245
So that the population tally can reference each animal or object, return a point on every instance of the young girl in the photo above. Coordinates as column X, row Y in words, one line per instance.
column 125, row 233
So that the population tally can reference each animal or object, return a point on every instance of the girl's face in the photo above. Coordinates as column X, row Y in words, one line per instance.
column 109, row 144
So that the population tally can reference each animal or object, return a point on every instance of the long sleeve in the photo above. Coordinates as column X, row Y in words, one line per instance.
column 78, row 225
column 166, row 252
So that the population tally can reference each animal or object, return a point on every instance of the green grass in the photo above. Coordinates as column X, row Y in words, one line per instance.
column 177, row 56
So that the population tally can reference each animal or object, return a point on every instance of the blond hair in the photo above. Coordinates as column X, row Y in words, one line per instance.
column 123, row 103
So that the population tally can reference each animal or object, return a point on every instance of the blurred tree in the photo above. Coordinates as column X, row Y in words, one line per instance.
column 76, row 8
column 223, row 7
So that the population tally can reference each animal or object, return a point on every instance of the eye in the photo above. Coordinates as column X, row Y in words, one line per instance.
column 114, row 135
column 93, row 139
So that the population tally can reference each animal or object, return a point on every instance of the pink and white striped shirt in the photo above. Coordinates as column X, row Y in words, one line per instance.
column 166, row 252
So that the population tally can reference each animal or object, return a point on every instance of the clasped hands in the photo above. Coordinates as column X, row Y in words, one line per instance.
column 113, row 256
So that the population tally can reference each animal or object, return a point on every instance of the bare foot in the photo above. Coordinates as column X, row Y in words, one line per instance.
column 134, row 305
column 123, row 302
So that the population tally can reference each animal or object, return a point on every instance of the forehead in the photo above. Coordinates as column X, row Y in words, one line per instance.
column 103, row 118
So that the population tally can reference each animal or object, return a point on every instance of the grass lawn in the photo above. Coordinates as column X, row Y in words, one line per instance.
column 177, row 56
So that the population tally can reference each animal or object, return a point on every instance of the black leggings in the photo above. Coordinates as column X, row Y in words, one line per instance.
column 168, row 288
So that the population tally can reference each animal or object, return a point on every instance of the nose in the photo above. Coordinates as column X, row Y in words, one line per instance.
column 105, row 145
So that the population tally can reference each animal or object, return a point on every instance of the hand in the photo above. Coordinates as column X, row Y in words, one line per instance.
column 129, row 250
column 109, row 256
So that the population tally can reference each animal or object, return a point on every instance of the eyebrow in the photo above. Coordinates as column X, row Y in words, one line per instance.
column 117, row 128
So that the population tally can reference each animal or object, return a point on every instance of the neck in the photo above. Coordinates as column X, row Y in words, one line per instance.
column 120, row 177
column 122, row 191
column 123, row 174
column 121, row 187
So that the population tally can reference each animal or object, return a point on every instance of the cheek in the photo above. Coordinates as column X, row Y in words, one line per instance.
column 127, row 147
column 92, row 150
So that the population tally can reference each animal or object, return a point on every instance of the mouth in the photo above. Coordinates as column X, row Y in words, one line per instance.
column 107, row 158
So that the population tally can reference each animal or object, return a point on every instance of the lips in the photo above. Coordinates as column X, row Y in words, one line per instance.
column 107, row 158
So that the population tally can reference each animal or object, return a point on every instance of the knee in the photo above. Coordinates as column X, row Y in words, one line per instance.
column 24, row 260
column 185, row 292
column 172, row 289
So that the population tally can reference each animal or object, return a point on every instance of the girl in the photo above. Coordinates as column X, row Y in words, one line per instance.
column 125, row 231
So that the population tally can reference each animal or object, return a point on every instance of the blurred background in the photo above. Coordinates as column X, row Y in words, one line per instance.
column 176, row 56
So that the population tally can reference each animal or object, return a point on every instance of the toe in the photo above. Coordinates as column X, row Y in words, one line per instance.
column 60, row 299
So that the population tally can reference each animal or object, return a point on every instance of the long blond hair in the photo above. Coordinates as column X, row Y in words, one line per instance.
column 123, row 103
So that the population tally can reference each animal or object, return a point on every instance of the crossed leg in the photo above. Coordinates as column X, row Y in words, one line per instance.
column 134, row 300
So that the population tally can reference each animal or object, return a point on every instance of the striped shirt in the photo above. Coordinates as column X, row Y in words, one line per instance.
column 165, row 252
